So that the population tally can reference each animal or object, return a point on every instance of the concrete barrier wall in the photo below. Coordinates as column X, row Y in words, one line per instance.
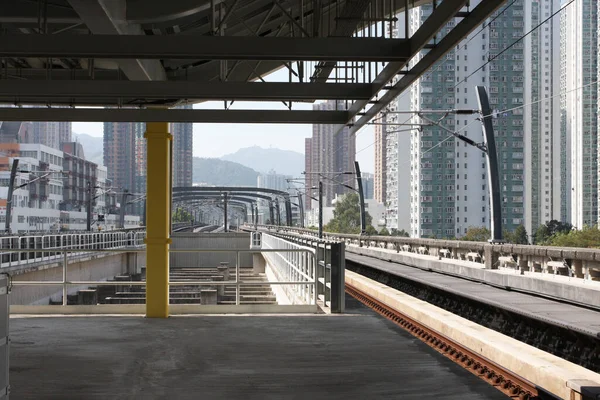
column 93, row 268
column 576, row 262
column 230, row 240
column 575, row 291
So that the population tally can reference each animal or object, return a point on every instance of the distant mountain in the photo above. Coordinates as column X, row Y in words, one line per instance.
column 285, row 162
column 93, row 147
column 212, row 171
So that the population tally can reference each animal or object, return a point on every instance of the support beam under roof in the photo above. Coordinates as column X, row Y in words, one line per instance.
column 108, row 18
column 76, row 92
column 174, row 115
column 205, row 47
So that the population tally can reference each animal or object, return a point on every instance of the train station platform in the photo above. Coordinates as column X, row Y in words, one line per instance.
column 356, row 355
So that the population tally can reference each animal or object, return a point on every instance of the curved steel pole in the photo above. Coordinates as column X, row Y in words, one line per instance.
column 288, row 211
column 492, row 165
column 271, row 212
column 301, row 209
column 361, row 199
column 277, row 212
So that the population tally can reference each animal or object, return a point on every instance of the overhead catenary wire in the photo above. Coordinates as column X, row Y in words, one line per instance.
column 504, row 50
column 495, row 113
column 464, row 46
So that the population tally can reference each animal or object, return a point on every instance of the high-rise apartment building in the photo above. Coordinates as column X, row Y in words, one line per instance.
column 542, row 133
column 125, row 158
column 273, row 180
column 579, row 112
column 328, row 156
column 46, row 133
column 380, row 176
column 65, row 132
column 51, row 134
column 448, row 184
column 119, row 154
column 368, row 181
column 183, row 148
column 392, row 153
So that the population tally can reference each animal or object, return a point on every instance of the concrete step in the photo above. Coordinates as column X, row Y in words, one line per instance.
column 250, row 293
column 230, row 302
column 250, row 298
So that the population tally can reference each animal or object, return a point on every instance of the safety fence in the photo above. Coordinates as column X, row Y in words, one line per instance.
column 27, row 250
column 206, row 288
column 297, row 266
column 330, row 266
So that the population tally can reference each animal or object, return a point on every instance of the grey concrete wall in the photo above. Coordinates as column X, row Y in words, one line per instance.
column 92, row 268
column 529, row 284
column 230, row 240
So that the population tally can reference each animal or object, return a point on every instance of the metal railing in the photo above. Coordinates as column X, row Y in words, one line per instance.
column 287, row 281
column 330, row 258
column 27, row 250
column 307, row 285
column 296, row 266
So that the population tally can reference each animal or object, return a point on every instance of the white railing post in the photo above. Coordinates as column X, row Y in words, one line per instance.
column 237, row 278
column 64, row 278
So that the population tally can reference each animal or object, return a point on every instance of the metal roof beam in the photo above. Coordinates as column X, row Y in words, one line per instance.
column 174, row 115
column 108, row 18
column 11, row 90
column 205, row 47
column 447, row 43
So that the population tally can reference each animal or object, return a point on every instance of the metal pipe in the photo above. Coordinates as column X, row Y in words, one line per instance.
column 237, row 278
column 320, row 209
column 11, row 185
column 361, row 199
column 225, row 212
column 64, row 279
column 89, row 207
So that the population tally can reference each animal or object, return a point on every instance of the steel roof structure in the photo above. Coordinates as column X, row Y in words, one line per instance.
column 137, row 58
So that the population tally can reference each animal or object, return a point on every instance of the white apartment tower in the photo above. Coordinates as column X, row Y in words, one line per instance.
column 392, row 153
column 542, row 117
column 579, row 112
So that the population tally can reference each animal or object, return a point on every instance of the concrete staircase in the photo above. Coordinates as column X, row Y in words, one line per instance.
column 258, row 293
column 250, row 294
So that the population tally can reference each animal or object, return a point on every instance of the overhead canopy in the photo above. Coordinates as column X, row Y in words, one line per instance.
column 130, row 55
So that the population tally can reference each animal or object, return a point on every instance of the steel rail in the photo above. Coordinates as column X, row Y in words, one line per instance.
column 501, row 378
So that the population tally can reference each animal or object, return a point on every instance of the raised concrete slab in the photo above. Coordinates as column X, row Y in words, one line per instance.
column 358, row 355
column 553, row 374
column 584, row 320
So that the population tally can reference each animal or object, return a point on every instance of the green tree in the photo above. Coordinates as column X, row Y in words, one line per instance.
column 346, row 215
column 402, row 232
column 371, row 230
column 384, row 232
column 477, row 234
column 544, row 233
column 588, row 237
column 181, row 215
column 519, row 236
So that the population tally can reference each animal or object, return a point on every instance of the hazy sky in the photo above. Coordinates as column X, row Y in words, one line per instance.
column 216, row 140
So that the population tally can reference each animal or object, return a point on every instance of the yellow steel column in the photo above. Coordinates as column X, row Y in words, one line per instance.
column 158, row 218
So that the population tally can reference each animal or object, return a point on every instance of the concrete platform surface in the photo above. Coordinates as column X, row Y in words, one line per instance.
column 358, row 355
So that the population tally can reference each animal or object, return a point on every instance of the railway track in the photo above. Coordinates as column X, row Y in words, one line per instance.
column 502, row 379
